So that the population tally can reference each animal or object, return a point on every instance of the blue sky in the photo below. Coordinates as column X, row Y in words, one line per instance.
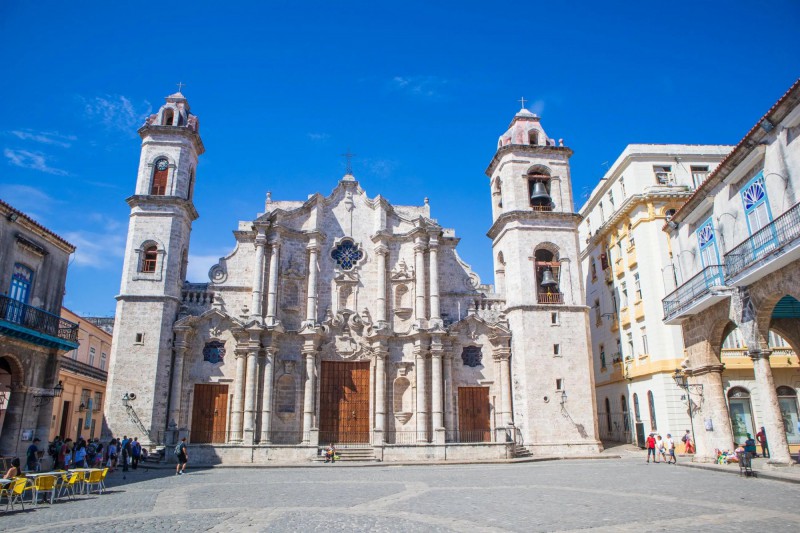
column 419, row 91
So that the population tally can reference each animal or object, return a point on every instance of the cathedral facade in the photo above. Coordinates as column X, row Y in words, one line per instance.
column 346, row 319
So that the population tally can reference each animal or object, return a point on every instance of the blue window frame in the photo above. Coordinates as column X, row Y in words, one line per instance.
column 757, row 211
column 20, row 291
column 709, row 253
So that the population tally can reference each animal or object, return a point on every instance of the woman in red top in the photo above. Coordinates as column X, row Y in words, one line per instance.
column 651, row 448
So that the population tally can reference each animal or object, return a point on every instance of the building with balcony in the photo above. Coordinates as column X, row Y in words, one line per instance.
column 33, row 335
column 83, row 373
column 736, row 245
column 626, row 261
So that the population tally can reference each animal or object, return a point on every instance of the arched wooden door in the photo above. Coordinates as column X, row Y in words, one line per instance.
column 344, row 402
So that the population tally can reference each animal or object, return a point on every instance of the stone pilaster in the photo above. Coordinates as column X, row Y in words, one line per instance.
column 420, row 371
column 381, row 252
column 437, row 404
column 433, row 245
column 180, row 347
column 272, row 291
column 449, row 412
column 503, row 356
column 773, row 421
column 251, row 385
column 256, row 313
column 712, row 419
column 238, row 394
column 419, row 273
column 308, row 394
column 268, row 362
column 311, row 300
column 380, row 393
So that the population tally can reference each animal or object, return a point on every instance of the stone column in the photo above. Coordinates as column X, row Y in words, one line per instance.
column 251, row 386
column 422, row 393
column 713, row 408
column 380, row 394
column 238, row 395
column 437, row 406
column 181, row 345
column 503, row 356
column 311, row 300
column 380, row 304
column 308, row 396
column 266, row 395
column 449, row 413
column 773, row 421
column 419, row 273
column 256, row 313
column 434, row 271
column 272, row 294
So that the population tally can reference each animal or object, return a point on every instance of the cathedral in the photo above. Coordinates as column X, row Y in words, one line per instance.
column 345, row 319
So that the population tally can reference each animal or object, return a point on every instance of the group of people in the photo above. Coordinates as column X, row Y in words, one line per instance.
column 664, row 448
column 746, row 447
column 92, row 453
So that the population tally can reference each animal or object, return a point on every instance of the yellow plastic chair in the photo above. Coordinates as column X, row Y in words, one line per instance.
column 103, row 475
column 68, row 484
column 45, row 484
column 94, row 478
column 17, row 492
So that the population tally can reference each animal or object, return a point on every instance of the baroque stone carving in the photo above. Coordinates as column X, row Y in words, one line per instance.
column 347, row 333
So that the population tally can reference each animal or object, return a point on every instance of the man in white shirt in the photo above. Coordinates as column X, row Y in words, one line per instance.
column 669, row 444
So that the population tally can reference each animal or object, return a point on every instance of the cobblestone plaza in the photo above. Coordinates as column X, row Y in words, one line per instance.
column 540, row 496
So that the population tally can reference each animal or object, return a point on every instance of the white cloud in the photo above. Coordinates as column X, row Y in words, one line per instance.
column 117, row 112
column 422, row 86
column 45, row 137
column 199, row 265
column 319, row 136
column 98, row 249
column 33, row 160
column 381, row 168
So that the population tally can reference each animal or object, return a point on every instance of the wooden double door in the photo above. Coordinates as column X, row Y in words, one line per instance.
column 473, row 414
column 209, row 414
column 344, row 403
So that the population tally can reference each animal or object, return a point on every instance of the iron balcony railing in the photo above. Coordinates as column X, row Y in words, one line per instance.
column 777, row 234
column 693, row 289
column 37, row 319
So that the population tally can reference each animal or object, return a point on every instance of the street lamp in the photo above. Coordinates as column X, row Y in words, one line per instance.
column 47, row 395
column 682, row 381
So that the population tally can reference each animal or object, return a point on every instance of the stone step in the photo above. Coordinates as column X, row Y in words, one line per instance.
column 350, row 454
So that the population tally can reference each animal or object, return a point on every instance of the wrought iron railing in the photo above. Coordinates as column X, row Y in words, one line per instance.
column 697, row 286
column 345, row 437
column 405, row 437
column 37, row 319
column 71, row 365
column 550, row 298
column 778, row 233
column 466, row 436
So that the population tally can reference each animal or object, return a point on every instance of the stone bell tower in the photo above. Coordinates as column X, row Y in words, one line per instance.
column 537, row 268
column 153, row 272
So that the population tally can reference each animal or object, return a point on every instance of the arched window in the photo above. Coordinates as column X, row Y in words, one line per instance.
column 160, row 174
column 533, row 137
column 190, row 192
column 741, row 414
column 608, row 415
column 624, row 404
column 167, row 117
column 651, row 405
column 787, row 401
column 150, row 258
column 539, row 188
column 636, row 412
column 548, row 270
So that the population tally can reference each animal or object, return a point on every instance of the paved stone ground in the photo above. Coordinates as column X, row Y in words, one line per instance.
column 609, row 495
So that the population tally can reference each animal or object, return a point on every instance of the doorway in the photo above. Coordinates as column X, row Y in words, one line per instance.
column 473, row 414
column 209, row 414
column 344, row 403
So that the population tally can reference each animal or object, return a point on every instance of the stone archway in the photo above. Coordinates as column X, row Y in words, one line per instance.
column 13, row 379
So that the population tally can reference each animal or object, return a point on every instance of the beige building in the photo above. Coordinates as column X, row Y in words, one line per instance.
column 736, row 244
column 627, row 263
column 83, row 373
column 347, row 319
column 33, row 337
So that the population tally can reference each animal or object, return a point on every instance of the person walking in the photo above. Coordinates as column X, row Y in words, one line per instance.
column 761, row 436
column 112, row 455
column 136, row 452
column 54, row 450
column 651, row 448
column 688, row 445
column 32, row 456
column 183, row 457
column 80, row 454
column 660, row 447
column 125, row 450
column 669, row 444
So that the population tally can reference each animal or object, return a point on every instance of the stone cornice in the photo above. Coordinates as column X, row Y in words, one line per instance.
column 141, row 200
column 528, row 149
column 190, row 134
column 511, row 216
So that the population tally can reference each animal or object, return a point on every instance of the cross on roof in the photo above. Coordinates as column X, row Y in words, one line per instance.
column 522, row 101
column 180, row 85
column 348, row 156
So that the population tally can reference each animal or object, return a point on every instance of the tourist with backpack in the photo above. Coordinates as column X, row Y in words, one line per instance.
column 136, row 452
column 183, row 457
column 53, row 450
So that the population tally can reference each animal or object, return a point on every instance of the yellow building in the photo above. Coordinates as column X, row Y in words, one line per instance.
column 83, row 373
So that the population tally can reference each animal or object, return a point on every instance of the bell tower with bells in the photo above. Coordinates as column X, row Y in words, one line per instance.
column 153, row 272
column 535, row 248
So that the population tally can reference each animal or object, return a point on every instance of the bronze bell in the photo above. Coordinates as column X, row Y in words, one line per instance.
column 539, row 193
column 548, row 280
